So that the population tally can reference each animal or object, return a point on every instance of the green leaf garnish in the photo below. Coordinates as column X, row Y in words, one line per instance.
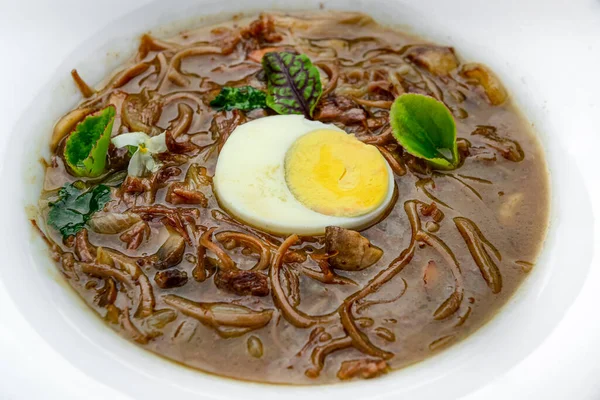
column 426, row 129
column 241, row 98
column 73, row 208
column 87, row 145
column 294, row 83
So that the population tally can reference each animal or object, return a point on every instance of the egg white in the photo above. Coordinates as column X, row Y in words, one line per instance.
column 250, row 180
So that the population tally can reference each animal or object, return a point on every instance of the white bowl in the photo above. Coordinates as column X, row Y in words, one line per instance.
column 501, row 41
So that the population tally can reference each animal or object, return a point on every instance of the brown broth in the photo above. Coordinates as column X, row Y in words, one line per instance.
column 504, row 198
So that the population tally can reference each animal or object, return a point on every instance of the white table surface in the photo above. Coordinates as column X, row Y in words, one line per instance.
column 35, row 38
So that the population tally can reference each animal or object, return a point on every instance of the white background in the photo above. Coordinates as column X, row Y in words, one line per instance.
column 34, row 39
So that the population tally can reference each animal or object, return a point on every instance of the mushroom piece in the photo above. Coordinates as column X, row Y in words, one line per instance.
column 170, row 278
column 438, row 60
column 479, row 74
column 169, row 254
column 242, row 283
column 349, row 250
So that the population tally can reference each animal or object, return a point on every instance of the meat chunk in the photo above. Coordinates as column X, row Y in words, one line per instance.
column 340, row 109
column 260, row 32
column 134, row 187
column 135, row 235
column 142, row 111
column 224, row 123
column 179, row 147
column 165, row 174
column 377, row 122
column 364, row 369
column 262, row 29
column 188, row 191
column 349, row 250
column 170, row 278
column 180, row 195
column 438, row 60
column 168, row 159
column 478, row 74
column 242, row 282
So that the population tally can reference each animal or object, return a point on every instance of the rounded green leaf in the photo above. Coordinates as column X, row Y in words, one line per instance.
column 87, row 146
column 425, row 128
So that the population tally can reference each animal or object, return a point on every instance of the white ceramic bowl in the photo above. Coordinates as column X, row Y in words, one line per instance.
column 522, row 62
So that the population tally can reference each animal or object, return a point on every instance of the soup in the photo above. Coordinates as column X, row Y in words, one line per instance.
column 358, row 252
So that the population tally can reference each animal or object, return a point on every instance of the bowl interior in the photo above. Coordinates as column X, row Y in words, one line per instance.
column 57, row 314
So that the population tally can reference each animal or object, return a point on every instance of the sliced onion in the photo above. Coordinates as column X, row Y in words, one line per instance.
column 111, row 223
column 65, row 125
column 229, row 320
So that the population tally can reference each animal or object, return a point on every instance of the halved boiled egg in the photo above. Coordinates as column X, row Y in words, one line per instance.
column 285, row 174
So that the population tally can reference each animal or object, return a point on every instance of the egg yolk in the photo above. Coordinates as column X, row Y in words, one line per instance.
column 334, row 173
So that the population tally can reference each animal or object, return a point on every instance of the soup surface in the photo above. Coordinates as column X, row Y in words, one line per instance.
column 245, row 303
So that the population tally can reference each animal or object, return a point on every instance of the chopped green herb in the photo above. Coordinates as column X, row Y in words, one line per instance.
column 241, row 98
column 87, row 145
column 73, row 208
column 426, row 129
column 294, row 83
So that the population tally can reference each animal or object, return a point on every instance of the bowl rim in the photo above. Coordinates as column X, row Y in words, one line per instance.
column 74, row 327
